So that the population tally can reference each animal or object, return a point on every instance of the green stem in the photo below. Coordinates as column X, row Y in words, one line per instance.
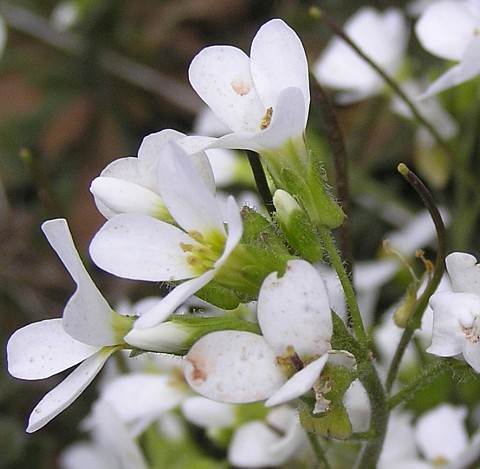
column 355, row 317
column 414, row 322
column 409, row 391
column 318, row 451
column 339, row 152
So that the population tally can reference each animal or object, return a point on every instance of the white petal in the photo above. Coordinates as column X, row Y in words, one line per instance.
column 294, row 310
column 83, row 455
column 121, row 196
column 445, row 28
column 255, row 444
column 464, row 272
column 452, row 314
column 171, row 302
column 381, row 36
column 300, row 383
column 190, row 202
column 43, row 349
column 471, row 353
column 140, row 247
column 150, row 157
column 206, row 413
column 87, row 315
column 59, row 398
column 113, row 435
column 278, row 62
column 166, row 337
column 468, row 68
column 235, row 230
column 221, row 77
column 441, row 433
column 232, row 366
column 138, row 396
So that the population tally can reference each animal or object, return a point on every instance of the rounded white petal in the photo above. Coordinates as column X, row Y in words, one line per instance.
column 120, row 196
column 446, row 27
column 300, row 383
column 169, row 304
column 221, row 76
column 206, row 413
column 59, row 398
column 188, row 199
column 142, row 396
column 441, row 433
column 453, row 314
column 140, row 247
column 294, row 311
column 233, row 366
column 43, row 349
column 278, row 62
column 464, row 272
column 87, row 316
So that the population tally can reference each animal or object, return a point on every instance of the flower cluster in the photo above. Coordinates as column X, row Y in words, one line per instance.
column 262, row 340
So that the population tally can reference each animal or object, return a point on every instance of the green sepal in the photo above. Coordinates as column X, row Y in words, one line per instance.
column 218, row 295
column 331, row 424
column 199, row 326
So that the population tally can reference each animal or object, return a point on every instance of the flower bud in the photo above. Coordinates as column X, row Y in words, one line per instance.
column 296, row 226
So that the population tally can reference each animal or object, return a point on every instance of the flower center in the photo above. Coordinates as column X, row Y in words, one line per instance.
column 204, row 251
column 266, row 119
column 472, row 333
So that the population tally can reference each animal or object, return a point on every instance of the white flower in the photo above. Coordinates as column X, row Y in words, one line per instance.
column 130, row 185
column 264, row 98
column 295, row 319
column 449, row 29
column 268, row 443
column 140, row 247
column 456, row 315
column 89, row 332
column 382, row 36
column 113, row 444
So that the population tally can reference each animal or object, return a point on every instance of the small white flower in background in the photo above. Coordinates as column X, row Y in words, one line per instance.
column 439, row 436
column 382, row 36
column 65, row 15
column 130, row 184
column 89, row 332
column 295, row 319
column 450, row 29
column 140, row 247
column 268, row 443
column 263, row 99
column 456, row 315
column 113, row 445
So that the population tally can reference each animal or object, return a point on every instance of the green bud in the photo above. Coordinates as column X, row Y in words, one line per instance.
column 296, row 226
column 404, row 311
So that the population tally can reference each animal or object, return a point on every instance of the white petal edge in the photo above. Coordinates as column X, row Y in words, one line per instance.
column 87, row 316
column 59, row 398
column 172, row 301
column 300, row 383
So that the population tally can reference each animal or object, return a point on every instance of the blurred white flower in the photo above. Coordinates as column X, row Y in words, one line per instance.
column 382, row 36
column 449, row 29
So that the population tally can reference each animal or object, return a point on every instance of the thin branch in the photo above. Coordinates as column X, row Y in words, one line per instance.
column 142, row 76
column 260, row 180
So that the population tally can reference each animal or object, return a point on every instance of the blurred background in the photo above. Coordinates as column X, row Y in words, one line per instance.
column 81, row 83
